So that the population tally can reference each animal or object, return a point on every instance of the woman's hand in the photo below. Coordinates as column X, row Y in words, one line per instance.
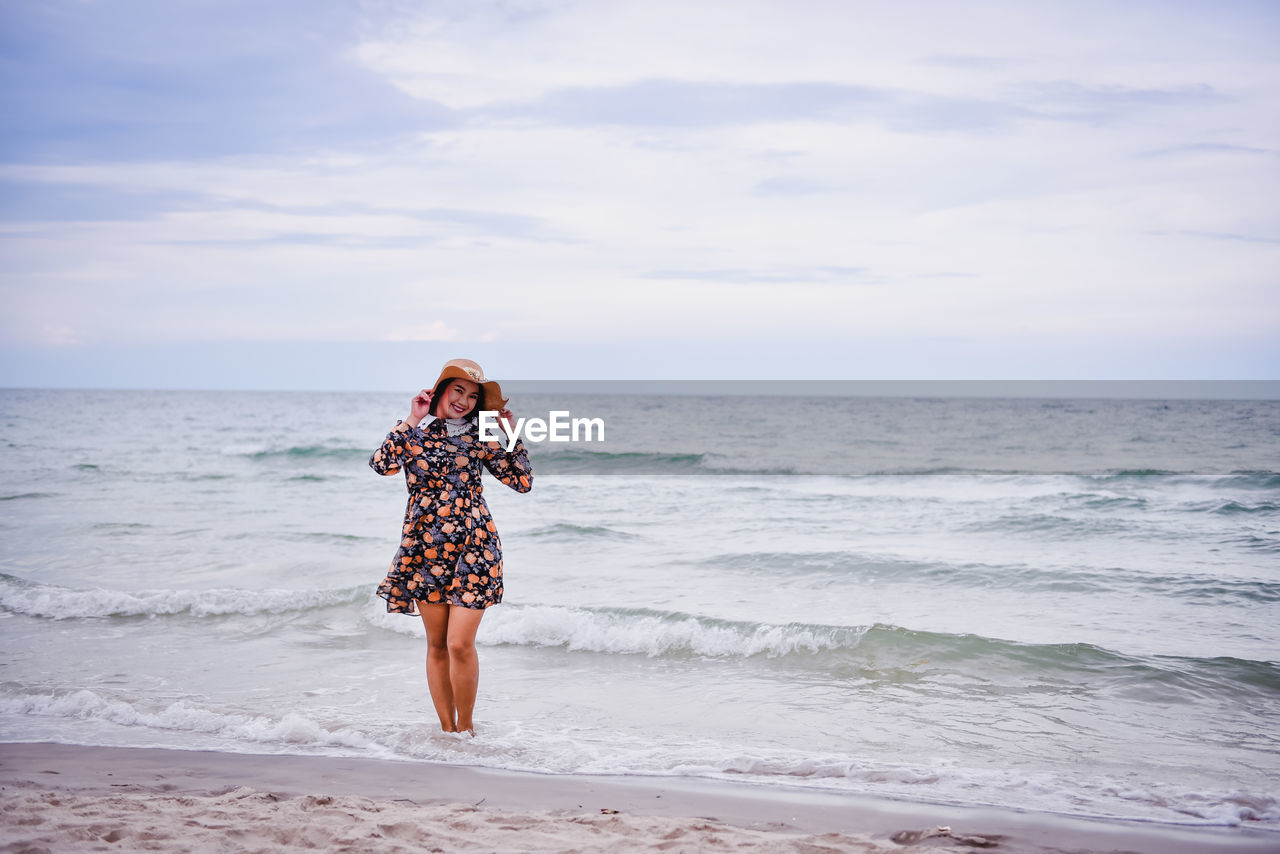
column 507, row 421
column 419, row 407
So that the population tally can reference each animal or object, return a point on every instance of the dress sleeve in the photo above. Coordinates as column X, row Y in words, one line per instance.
column 512, row 468
column 391, row 453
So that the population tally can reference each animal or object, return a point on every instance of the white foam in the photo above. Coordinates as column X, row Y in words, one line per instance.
column 538, row 747
column 376, row 614
column 289, row 729
column 62, row 603
column 641, row 633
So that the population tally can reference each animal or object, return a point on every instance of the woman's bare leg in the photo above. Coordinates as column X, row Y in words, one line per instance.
column 435, row 619
column 464, row 663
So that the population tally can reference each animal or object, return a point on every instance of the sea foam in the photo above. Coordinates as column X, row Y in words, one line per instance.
column 62, row 603
column 288, row 729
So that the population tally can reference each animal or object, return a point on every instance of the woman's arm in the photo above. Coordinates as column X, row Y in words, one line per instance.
column 511, row 467
column 389, row 457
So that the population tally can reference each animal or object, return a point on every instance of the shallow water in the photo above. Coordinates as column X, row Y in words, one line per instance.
column 1076, row 613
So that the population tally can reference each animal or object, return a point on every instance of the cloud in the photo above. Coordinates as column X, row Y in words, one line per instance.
column 779, row 186
column 1066, row 100
column 43, row 201
column 980, row 63
column 543, row 174
column 697, row 104
column 58, row 336
column 331, row 240
column 435, row 331
column 777, row 276
column 135, row 80
column 1220, row 235
column 678, row 103
column 693, row 104
column 1192, row 148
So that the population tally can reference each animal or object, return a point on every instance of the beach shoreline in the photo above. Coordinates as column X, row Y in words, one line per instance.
column 70, row 798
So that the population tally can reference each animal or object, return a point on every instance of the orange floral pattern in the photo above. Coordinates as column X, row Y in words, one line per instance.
column 449, row 547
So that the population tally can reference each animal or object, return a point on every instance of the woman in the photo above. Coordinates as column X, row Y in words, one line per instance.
column 449, row 564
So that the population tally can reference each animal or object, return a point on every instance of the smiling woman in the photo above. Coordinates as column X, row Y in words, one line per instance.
column 448, row 568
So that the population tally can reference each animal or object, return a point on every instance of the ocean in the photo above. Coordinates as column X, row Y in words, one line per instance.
column 1056, row 604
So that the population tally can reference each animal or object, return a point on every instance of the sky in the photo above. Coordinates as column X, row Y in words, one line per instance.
column 317, row 194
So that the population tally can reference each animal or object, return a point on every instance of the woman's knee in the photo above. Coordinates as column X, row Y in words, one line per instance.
column 461, row 648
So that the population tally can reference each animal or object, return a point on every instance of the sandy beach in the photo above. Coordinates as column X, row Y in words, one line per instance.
column 74, row 798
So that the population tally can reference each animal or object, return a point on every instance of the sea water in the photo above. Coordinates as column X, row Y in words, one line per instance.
column 1055, row 604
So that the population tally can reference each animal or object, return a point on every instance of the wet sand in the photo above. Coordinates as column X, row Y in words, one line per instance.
column 70, row 798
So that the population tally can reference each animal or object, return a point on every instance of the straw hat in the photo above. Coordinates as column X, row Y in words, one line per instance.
column 465, row 369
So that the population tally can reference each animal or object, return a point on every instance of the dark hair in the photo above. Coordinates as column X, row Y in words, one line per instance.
column 437, row 394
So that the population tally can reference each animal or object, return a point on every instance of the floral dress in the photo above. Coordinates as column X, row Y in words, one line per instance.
column 449, row 547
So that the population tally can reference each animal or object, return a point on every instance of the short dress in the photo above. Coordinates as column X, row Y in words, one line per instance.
column 449, row 548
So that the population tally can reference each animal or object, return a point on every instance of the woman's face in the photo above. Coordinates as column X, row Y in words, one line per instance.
column 459, row 399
